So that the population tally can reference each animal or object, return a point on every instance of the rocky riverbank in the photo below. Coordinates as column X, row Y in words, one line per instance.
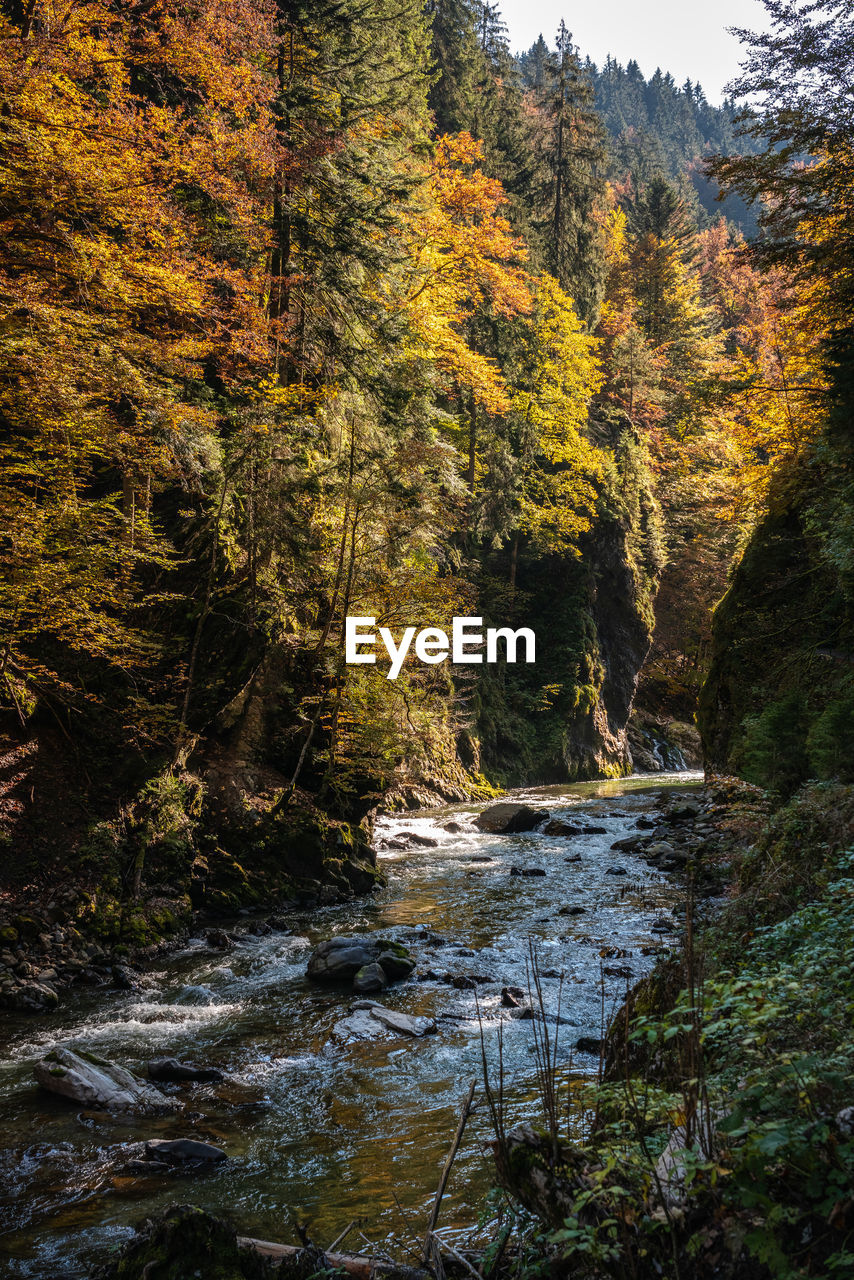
column 722, row 1140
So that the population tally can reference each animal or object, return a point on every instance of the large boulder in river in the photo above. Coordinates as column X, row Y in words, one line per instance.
column 344, row 959
column 340, row 959
column 97, row 1084
column 508, row 819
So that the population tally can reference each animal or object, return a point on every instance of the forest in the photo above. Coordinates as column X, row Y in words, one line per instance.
column 325, row 309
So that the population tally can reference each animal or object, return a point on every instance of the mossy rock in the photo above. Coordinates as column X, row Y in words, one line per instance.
column 186, row 1241
column 651, row 997
column 396, row 948
column 27, row 927
column 8, row 935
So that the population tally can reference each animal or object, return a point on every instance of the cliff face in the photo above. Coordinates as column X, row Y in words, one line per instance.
column 565, row 719
column 783, row 635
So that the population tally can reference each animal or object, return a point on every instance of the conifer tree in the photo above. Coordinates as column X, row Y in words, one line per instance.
column 571, row 203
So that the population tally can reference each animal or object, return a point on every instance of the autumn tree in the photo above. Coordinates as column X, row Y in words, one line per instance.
column 135, row 161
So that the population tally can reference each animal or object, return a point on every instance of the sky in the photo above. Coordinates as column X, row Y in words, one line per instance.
column 686, row 37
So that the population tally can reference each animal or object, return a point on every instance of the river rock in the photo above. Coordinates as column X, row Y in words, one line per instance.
column 595, row 831
column 527, row 871
column 589, row 1044
column 572, row 911
column 32, row 997
column 94, row 1082
column 368, row 1020
column 340, row 959
column 645, row 824
column 219, row 940
column 684, row 812
column 124, row 978
column 666, row 857
column 378, row 960
column 557, row 827
column 576, row 857
column 415, row 840
column 661, row 849
column 453, row 827
column 371, row 977
column 279, row 924
column 182, row 1151
column 259, row 929
column 628, row 844
column 185, row 1241
column 394, row 966
column 403, row 1024
column 616, row 871
column 508, row 819
column 170, row 1070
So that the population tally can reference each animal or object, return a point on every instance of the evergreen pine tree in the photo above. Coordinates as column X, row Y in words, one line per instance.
column 573, row 165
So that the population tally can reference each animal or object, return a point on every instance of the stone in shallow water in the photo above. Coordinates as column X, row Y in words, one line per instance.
column 557, row 827
column 94, row 1082
column 403, row 1023
column 395, row 966
column 415, row 840
column 342, row 959
column 183, row 1151
column 589, row 1044
column 507, row 819
column 370, row 1021
column 371, row 977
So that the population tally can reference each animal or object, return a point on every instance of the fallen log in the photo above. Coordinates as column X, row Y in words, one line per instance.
column 360, row 1268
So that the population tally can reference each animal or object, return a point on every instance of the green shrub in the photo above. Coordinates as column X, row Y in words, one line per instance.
column 774, row 753
column 831, row 740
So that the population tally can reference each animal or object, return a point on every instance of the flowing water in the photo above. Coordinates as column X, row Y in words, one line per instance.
column 320, row 1128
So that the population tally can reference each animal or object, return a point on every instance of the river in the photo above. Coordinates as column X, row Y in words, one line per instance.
column 319, row 1128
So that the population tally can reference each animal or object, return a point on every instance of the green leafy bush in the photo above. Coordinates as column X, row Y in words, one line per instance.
column 831, row 740
column 774, row 751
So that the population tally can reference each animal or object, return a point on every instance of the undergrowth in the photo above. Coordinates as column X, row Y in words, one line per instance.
column 726, row 1149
